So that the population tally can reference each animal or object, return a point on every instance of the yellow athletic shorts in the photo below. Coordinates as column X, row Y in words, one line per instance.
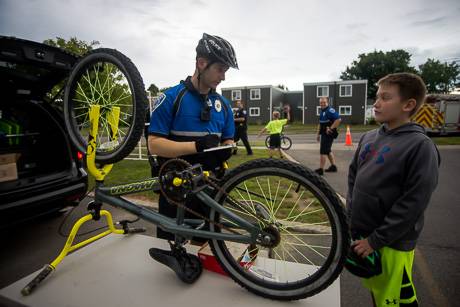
column 393, row 287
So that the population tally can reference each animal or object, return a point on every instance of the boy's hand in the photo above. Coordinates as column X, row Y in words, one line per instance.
column 362, row 248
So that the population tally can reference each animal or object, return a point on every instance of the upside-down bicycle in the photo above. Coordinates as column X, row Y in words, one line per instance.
column 288, row 220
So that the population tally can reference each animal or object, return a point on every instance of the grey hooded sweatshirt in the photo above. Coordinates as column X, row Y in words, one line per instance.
column 391, row 178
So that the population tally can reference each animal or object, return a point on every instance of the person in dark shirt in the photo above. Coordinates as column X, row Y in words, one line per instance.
column 241, row 127
column 329, row 120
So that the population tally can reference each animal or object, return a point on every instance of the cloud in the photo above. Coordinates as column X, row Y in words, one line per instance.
column 429, row 22
column 358, row 25
column 276, row 42
column 445, row 53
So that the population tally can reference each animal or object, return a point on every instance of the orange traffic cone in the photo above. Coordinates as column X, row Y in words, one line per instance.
column 348, row 141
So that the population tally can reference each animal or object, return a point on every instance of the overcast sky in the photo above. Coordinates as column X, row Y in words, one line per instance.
column 276, row 42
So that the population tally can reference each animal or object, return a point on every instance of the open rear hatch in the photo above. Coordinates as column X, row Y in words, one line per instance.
column 30, row 128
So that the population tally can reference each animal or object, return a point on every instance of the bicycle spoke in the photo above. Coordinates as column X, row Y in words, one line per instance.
column 307, row 245
column 249, row 195
column 258, row 183
column 295, row 204
column 284, row 197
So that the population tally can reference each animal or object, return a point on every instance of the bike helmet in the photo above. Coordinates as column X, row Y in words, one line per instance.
column 364, row 267
column 216, row 49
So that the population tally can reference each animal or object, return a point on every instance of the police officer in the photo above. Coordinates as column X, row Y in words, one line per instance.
column 191, row 117
column 241, row 127
column 329, row 120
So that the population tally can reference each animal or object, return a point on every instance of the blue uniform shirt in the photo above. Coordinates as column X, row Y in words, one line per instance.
column 186, row 123
column 327, row 117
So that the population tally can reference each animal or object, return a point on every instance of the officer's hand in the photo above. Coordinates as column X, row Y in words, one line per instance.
column 207, row 141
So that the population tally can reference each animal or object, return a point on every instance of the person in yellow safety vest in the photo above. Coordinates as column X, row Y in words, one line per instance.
column 274, row 128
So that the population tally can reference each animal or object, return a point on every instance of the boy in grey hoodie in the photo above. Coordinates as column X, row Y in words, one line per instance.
column 391, row 178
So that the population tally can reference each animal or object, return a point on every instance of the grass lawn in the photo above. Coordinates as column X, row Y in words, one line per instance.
column 452, row 140
column 298, row 128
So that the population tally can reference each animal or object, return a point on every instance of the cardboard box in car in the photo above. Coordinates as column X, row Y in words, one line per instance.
column 8, row 167
column 9, row 158
column 8, row 172
column 210, row 263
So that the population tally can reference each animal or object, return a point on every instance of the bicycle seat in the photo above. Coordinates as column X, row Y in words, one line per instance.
column 186, row 266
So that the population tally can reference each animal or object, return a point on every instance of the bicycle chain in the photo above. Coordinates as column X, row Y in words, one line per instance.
column 183, row 206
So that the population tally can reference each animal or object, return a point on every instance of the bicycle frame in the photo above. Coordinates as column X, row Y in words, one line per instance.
column 179, row 226
column 111, row 195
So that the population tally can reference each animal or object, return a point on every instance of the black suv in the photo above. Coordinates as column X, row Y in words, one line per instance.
column 40, row 170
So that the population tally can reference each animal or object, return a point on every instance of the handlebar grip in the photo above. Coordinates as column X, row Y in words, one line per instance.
column 38, row 279
column 136, row 230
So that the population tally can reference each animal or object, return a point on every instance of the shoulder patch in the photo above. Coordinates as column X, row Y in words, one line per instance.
column 218, row 105
column 332, row 110
column 158, row 101
column 244, row 112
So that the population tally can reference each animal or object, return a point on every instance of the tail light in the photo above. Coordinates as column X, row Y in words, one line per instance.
column 79, row 156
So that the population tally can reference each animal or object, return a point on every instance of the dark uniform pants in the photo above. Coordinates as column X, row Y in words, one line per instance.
column 242, row 133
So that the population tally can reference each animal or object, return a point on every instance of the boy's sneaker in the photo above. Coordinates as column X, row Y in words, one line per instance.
column 319, row 171
column 331, row 169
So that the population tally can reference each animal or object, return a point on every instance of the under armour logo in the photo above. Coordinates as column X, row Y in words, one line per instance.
column 391, row 302
column 380, row 154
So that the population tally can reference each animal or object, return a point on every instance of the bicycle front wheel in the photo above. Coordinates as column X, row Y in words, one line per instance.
column 107, row 78
column 301, row 210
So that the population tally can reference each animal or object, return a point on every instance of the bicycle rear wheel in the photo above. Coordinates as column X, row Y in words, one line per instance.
column 305, row 214
column 107, row 78
column 286, row 143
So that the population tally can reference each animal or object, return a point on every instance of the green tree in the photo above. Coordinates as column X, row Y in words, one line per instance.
column 153, row 89
column 283, row 87
column 377, row 64
column 73, row 45
column 439, row 77
column 164, row 89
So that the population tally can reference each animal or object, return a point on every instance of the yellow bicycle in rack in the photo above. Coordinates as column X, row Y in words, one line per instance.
column 99, row 174
column 289, row 220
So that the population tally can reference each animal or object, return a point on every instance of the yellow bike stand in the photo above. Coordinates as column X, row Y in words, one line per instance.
column 99, row 173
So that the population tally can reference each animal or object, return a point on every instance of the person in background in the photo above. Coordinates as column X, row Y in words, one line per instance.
column 241, row 127
column 329, row 120
column 274, row 128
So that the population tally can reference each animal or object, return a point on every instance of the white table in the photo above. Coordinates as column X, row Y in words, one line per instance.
column 118, row 271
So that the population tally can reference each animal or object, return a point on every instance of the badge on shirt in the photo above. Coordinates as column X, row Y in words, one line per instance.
column 158, row 101
column 218, row 105
column 244, row 112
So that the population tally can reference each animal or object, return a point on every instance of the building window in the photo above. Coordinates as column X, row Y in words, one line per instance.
column 255, row 94
column 254, row 111
column 236, row 95
column 345, row 91
column 322, row 91
column 344, row 110
column 318, row 110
